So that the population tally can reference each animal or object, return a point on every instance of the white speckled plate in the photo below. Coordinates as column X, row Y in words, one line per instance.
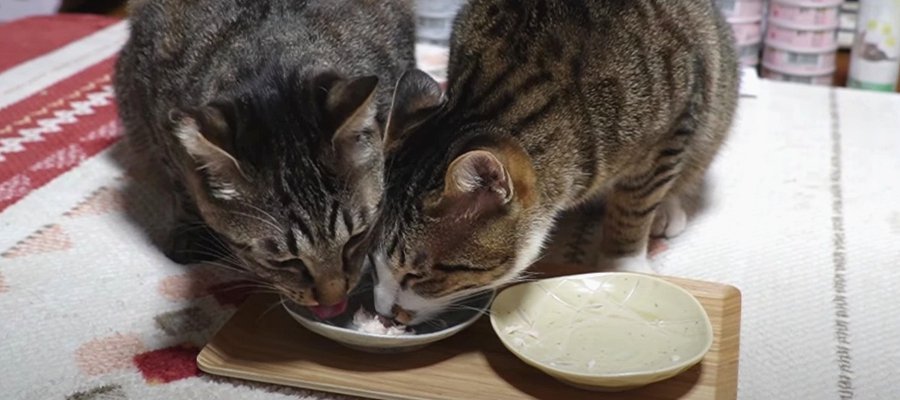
column 603, row 331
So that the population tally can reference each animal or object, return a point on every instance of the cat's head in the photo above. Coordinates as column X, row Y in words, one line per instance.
column 288, row 172
column 460, row 212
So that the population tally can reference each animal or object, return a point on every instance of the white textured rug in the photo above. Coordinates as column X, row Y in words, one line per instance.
column 803, row 216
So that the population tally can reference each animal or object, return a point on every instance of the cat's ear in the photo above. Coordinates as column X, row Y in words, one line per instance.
column 350, row 105
column 207, row 134
column 416, row 97
column 476, row 183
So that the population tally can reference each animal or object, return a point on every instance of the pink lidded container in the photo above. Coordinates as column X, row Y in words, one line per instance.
column 820, row 79
column 749, row 54
column 804, row 61
column 741, row 10
column 786, row 60
column 805, row 13
column 746, row 33
column 801, row 39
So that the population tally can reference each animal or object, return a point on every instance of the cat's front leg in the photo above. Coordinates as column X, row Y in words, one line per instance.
column 631, row 209
column 670, row 219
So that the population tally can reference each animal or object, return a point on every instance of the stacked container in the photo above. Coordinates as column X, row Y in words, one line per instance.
column 746, row 18
column 875, row 58
column 434, row 20
column 801, row 41
column 847, row 25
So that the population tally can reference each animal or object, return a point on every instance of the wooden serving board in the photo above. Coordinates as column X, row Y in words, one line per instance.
column 470, row 365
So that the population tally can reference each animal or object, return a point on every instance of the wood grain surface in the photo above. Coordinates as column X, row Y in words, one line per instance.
column 473, row 364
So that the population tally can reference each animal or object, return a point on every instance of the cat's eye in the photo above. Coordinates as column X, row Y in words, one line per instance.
column 409, row 279
column 295, row 264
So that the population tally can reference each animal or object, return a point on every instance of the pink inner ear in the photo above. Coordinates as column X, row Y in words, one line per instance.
column 474, row 195
column 478, row 171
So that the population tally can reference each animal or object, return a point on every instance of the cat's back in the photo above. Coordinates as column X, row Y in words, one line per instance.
column 192, row 51
column 181, row 32
column 595, row 84
column 603, row 33
column 629, row 64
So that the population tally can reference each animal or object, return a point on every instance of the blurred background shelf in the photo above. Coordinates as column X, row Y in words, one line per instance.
column 845, row 36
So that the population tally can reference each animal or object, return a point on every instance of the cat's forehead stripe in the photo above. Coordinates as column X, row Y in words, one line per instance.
column 292, row 242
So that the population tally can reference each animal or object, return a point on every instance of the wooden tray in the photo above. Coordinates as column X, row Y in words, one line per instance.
column 470, row 365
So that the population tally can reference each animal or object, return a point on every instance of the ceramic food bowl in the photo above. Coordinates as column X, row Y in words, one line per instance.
column 603, row 331
column 342, row 328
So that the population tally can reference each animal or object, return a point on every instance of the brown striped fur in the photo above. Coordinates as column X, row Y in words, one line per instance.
column 264, row 116
column 550, row 104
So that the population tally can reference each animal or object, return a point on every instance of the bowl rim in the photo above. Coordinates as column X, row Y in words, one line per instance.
column 674, row 368
column 491, row 295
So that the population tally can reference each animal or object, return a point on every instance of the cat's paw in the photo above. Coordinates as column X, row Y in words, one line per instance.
column 190, row 246
column 636, row 263
column 670, row 219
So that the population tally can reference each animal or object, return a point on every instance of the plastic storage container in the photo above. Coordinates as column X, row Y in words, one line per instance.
column 749, row 54
column 741, row 10
column 434, row 19
column 821, row 79
column 815, row 14
column 787, row 60
column 746, row 33
column 875, row 58
column 801, row 39
column 746, row 19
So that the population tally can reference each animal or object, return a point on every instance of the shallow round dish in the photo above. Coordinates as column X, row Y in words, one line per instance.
column 603, row 331
column 443, row 326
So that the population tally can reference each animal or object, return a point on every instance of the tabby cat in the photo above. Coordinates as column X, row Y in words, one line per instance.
column 265, row 115
column 550, row 104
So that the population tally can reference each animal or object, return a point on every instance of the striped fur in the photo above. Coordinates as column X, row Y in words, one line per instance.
column 265, row 117
column 628, row 100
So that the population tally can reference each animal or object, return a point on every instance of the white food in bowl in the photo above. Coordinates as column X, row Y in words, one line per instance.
column 367, row 322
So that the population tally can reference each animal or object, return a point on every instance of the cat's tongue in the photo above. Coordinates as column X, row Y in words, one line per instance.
column 328, row 312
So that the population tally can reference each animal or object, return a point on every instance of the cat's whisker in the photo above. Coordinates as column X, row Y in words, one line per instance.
column 479, row 311
column 224, row 256
column 263, row 212
column 260, row 219
column 219, row 258
column 277, row 303
column 252, row 285
column 435, row 323
column 267, row 292
column 182, row 228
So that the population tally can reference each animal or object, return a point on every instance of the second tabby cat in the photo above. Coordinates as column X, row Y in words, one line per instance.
column 550, row 103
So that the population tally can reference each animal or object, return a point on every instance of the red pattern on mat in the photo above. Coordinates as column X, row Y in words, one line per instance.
column 169, row 364
column 68, row 123
column 29, row 38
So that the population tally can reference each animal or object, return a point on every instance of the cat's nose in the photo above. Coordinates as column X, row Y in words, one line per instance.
column 331, row 292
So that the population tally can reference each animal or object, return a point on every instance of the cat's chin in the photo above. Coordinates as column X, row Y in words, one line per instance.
column 422, row 309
